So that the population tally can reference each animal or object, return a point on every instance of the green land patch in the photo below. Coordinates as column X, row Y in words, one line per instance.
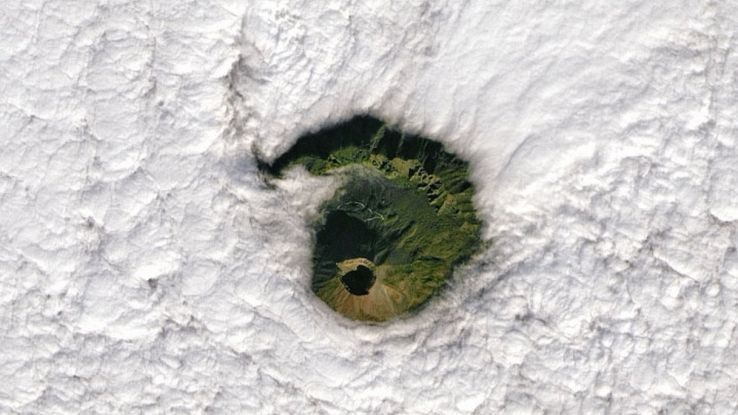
column 390, row 237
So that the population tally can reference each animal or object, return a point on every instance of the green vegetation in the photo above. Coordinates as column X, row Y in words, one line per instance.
column 402, row 221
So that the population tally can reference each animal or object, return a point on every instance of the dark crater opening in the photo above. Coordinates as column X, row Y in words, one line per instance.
column 358, row 281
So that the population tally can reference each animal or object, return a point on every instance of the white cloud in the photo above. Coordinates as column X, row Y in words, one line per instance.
column 601, row 137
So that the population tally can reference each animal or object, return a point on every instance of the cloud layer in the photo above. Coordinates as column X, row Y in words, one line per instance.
column 145, row 266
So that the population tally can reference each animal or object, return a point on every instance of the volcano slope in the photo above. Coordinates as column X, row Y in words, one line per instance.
column 403, row 219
